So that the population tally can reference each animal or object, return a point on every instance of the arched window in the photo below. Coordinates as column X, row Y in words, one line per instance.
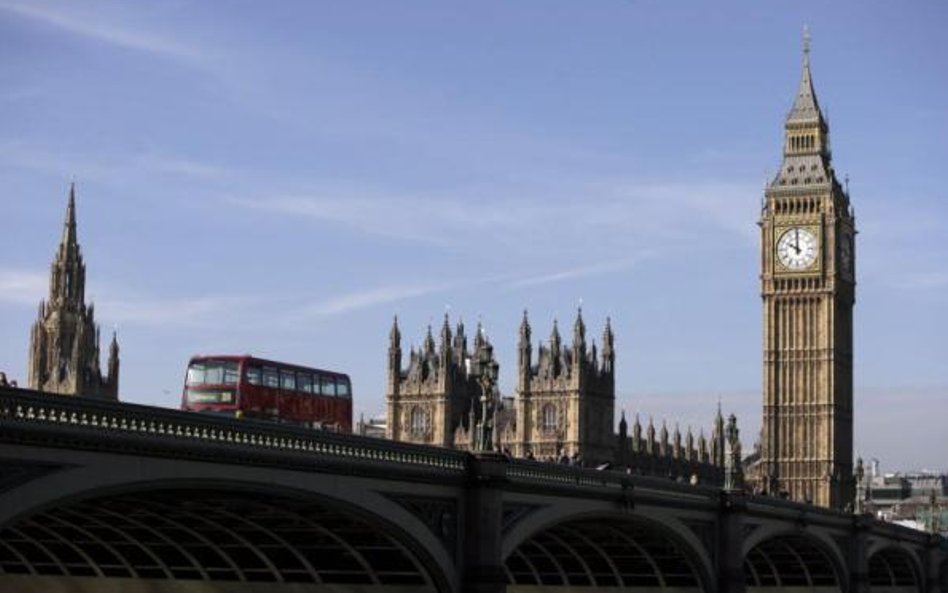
column 419, row 421
column 548, row 418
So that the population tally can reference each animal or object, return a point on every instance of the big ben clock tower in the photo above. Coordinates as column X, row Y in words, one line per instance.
column 808, row 290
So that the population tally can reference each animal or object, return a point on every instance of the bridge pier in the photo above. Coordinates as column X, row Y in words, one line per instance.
column 858, row 560
column 731, row 577
column 482, row 535
column 934, row 564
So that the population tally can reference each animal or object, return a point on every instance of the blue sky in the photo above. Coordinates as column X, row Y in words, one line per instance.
column 283, row 180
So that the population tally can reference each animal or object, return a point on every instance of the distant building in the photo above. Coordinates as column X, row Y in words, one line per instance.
column 924, row 483
column 373, row 427
column 64, row 342
column 915, row 499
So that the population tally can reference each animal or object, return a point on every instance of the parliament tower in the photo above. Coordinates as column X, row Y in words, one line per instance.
column 808, row 291
column 566, row 401
column 64, row 342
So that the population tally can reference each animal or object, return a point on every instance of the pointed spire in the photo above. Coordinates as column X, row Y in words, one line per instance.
column 394, row 336
column 623, row 425
column 718, row 439
column 524, row 355
column 525, row 330
column 555, row 337
column 460, row 342
column 445, row 334
column 703, row 454
column 69, row 225
column 650, row 437
column 608, row 347
column 429, row 344
column 113, row 368
column 676, row 442
column 579, row 329
column 805, row 106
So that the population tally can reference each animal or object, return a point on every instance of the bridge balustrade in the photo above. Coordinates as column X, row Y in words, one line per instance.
column 29, row 410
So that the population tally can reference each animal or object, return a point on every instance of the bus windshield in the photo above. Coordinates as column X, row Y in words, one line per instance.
column 212, row 372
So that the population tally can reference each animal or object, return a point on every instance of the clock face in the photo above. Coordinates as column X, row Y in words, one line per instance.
column 796, row 248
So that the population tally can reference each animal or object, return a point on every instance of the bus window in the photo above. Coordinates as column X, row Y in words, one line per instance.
column 270, row 377
column 304, row 382
column 288, row 380
column 196, row 373
column 254, row 375
column 230, row 373
column 342, row 388
column 328, row 386
column 212, row 372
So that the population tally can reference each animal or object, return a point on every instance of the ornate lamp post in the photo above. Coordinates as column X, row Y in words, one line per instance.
column 485, row 369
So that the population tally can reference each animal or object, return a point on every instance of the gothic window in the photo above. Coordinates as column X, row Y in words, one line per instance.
column 548, row 418
column 419, row 421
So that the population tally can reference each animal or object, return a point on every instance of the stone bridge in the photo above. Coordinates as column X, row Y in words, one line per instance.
column 110, row 497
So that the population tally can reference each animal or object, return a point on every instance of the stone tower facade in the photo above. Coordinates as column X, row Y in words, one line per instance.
column 563, row 408
column 64, row 341
column 808, row 290
column 433, row 401
column 565, row 403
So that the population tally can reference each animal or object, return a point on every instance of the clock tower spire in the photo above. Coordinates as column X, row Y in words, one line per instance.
column 808, row 292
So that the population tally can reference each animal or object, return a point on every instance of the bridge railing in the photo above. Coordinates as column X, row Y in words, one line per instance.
column 537, row 472
column 51, row 413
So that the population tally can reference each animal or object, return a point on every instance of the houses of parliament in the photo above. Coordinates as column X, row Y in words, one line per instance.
column 563, row 407
column 564, row 404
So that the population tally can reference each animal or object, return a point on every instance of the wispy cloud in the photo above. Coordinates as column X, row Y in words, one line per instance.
column 577, row 272
column 371, row 297
column 27, row 288
column 103, row 27
column 535, row 219
column 128, row 168
column 196, row 311
column 22, row 287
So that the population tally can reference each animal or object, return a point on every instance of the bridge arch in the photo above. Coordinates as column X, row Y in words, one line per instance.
column 793, row 559
column 606, row 549
column 204, row 534
column 894, row 569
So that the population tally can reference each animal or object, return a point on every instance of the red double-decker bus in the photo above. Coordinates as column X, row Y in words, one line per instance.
column 244, row 386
